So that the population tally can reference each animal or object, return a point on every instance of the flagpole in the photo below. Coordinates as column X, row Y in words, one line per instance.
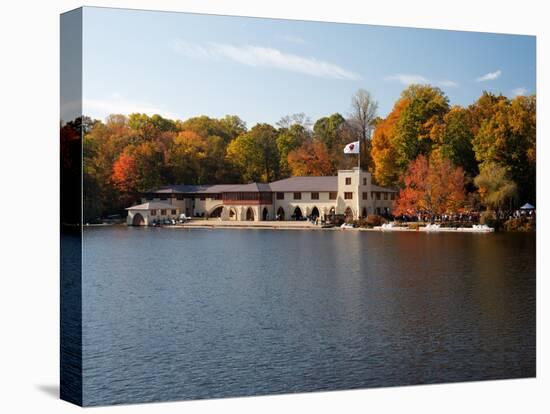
column 358, row 179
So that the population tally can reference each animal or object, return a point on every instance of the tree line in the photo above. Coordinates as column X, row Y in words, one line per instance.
column 490, row 144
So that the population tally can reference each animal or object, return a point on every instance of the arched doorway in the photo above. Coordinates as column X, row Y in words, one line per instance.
column 232, row 214
column 348, row 213
column 297, row 213
column 138, row 220
column 315, row 213
column 364, row 213
column 281, row 214
column 249, row 214
column 217, row 212
column 265, row 214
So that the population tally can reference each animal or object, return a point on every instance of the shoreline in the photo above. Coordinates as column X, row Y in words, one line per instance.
column 290, row 225
column 299, row 225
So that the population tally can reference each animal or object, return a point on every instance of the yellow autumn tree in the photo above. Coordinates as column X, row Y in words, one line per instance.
column 384, row 154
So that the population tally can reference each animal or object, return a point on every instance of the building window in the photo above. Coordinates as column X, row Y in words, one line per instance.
column 153, row 212
column 163, row 197
column 202, row 198
column 348, row 196
column 162, row 212
column 378, row 195
column 315, row 196
column 297, row 196
column 332, row 195
column 179, row 196
column 365, row 196
column 173, row 212
column 348, row 180
column 385, row 196
column 364, row 180
column 392, row 196
column 280, row 196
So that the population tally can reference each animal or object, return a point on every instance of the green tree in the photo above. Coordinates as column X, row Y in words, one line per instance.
column 227, row 128
column 453, row 140
column 255, row 153
column 327, row 130
column 508, row 138
column 419, row 120
column 288, row 140
column 496, row 189
column 147, row 127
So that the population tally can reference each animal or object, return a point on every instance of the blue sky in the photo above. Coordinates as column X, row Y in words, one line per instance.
column 182, row 65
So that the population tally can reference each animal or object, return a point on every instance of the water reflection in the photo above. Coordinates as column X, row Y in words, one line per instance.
column 176, row 314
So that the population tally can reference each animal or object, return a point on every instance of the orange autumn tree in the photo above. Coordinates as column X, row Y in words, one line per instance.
column 384, row 153
column 432, row 186
column 311, row 158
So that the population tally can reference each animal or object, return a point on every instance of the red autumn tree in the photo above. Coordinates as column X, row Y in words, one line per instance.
column 124, row 175
column 432, row 186
column 311, row 158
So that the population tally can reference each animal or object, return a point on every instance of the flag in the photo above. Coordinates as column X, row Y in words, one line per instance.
column 352, row 148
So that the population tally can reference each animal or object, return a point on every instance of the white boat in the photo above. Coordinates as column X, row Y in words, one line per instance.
column 477, row 228
column 432, row 227
column 347, row 226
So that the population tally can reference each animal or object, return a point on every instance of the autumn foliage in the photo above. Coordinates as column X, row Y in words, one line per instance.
column 424, row 146
column 431, row 186
column 312, row 158
column 124, row 172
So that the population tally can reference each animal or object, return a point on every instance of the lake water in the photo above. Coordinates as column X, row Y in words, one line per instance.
column 174, row 314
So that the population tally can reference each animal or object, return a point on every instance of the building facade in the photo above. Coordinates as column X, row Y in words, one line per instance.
column 350, row 193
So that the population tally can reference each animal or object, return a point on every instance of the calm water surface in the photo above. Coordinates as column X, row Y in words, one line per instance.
column 177, row 314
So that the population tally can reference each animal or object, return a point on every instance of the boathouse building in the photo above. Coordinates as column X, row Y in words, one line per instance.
column 350, row 193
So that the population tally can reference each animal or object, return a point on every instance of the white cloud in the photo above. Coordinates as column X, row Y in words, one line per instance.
column 117, row 104
column 258, row 56
column 520, row 91
column 490, row 76
column 409, row 79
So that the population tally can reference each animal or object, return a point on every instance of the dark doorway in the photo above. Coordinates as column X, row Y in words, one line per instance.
column 217, row 212
column 297, row 214
column 315, row 212
column 138, row 220
column 281, row 214
column 249, row 214
column 348, row 213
